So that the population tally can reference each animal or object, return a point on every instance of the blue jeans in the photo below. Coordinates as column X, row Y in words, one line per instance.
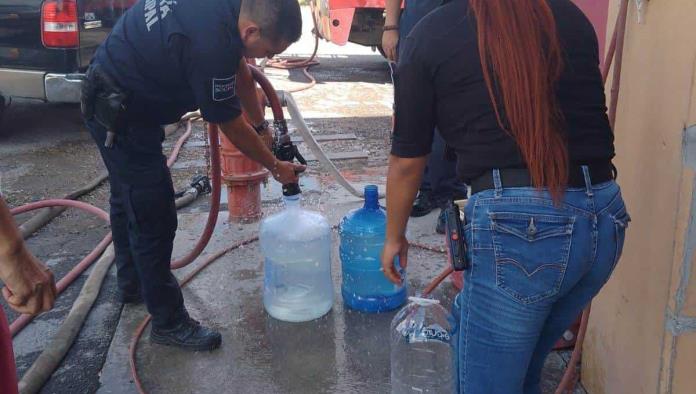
column 534, row 268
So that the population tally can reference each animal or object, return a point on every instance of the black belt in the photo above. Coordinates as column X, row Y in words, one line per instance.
column 520, row 177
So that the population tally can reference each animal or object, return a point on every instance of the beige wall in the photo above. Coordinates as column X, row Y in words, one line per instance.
column 642, row 332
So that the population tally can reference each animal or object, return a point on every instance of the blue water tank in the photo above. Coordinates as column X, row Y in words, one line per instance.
column 362, row 232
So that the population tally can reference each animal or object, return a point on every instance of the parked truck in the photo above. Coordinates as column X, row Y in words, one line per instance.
column 356, row 21
column 46, row 45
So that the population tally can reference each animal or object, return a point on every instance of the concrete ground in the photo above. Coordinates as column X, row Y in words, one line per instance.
column 45, row 152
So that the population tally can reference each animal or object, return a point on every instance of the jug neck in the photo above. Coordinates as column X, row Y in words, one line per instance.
column 371, row 197
column 292, row 202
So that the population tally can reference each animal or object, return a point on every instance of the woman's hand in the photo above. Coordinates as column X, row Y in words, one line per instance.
column 398, row 247
column 390, row 41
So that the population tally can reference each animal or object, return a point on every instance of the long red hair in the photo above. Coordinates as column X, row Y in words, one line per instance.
column 522, row 61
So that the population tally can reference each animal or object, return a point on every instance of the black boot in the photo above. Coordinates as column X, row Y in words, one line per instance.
column 422, row 205
column 188, row 335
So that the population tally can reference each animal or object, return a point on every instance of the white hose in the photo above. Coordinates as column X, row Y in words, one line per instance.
column 315, row 148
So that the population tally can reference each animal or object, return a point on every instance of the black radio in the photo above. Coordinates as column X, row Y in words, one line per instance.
column 456, row 244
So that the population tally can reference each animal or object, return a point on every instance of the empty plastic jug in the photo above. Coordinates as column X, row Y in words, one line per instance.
column 362, row 231
column 422, row 348
column 296, row 244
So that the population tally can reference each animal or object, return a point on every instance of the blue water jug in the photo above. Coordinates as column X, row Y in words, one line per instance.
column 362, row 232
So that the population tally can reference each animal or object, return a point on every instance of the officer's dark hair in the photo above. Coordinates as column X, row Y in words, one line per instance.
column 279, row 20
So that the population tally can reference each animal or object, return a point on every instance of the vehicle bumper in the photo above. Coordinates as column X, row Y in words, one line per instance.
column 55, row 88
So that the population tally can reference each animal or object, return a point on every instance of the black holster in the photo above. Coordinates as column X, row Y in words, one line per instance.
column 104, row 102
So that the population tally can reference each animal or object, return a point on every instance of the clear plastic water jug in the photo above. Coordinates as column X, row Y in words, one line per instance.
column 296, row 244
column 422, row 349
column 362, row 232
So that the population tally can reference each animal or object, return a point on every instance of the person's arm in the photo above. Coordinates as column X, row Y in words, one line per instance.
column 403, row 180
column 240, row 133
column 29, row 285
column 412, row 139
column 390, row 37
column 248, row 96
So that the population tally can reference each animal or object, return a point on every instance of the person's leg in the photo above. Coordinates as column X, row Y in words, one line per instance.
column 126, row 273
column 152, row 226
column 150, row 216
column 8, row 372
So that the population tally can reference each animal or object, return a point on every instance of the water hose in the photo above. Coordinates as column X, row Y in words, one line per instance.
column 41, row 219
column 299, row 63
column 313, row 145
column 50, row 358
column 214, row 203
column 42, row 369
column 23, row 320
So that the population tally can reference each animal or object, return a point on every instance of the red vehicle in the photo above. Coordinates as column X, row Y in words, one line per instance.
column 361, row 21
column 356, row 21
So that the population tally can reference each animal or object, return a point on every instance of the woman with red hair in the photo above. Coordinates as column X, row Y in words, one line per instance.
column 514, row 87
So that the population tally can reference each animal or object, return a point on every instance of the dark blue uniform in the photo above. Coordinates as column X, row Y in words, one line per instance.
column 440, row 174
column 170, row 57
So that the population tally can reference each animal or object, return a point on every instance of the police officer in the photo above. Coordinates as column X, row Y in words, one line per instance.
column 165, row 58
column 440, row 184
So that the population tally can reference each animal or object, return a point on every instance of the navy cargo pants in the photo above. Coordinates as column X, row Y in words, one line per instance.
column 143, row 218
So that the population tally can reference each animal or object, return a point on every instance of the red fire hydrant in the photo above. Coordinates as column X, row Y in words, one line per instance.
column 243, row 178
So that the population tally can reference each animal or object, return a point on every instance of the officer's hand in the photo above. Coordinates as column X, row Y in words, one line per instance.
column 286, row 172
column 390, row 40
column 30, row 287
column 267, row 137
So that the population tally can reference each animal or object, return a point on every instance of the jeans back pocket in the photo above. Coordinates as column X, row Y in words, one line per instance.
column 531, row 253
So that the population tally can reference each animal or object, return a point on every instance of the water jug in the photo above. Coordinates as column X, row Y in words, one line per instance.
column 296, row 244
column 362, row 232
column 422, row 348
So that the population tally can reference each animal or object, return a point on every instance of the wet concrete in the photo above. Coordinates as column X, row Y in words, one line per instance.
column 342, row 352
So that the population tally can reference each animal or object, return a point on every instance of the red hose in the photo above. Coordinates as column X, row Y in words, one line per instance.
column 213, row 134
column 22, row 321
column 132, row 351
column 270, row 92
column 64, row 203
column 214, row 203
column 179, row 143
column 299, row 63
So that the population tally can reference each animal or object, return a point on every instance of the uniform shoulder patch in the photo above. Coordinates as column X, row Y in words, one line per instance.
column 224, row 88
